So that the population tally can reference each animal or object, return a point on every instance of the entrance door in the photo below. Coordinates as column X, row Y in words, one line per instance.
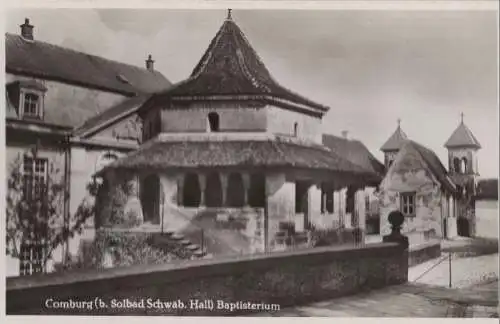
column 150, row 199
column 463, row 226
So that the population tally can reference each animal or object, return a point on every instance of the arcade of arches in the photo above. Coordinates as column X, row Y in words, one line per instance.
column 214, row 189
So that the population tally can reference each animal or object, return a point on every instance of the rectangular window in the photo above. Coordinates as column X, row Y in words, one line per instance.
column 408, row 203
column 34, row 178
column 367, row 204
column 31, row 258
column 31, row 105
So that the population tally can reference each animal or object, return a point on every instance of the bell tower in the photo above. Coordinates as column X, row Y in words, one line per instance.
column 463, row 169
column 462, row 155
column 392, row 146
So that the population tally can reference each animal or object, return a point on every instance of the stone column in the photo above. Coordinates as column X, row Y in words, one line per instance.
column 203, row 185
column 180, row 189
column 246, row 185
column 223, row 181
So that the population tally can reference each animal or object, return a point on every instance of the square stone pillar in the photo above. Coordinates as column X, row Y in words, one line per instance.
column 360, row 207
column 246, row 185
column 180, row 189
column 314, row 204
column 223, row 181
column 203, row 186
column 280, row 207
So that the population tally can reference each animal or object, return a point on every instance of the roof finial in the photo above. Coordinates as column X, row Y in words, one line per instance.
column 462, row 117
column 399, row 122
column 229, row 17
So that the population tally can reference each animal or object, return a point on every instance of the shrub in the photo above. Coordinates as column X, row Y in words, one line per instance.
column 126, row 249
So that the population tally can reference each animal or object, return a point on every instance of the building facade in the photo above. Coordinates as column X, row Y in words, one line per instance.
column 233, row 152
column 67, row 114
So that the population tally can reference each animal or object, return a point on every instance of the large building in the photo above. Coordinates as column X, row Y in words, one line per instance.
column 231, row 150
column 67, row 114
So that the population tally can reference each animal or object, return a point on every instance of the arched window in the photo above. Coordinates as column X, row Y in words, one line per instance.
column 295, row 129
column 213, row 121
column 456, row 165
column 464, row 165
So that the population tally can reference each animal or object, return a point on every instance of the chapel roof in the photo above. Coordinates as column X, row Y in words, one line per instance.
column 462, row 137
column 230, row 68
column 434, row 164
column 396, row 141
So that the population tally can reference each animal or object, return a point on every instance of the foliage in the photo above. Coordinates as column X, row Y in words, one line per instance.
column 43, row 219
column 126, row 249
column 113, row 212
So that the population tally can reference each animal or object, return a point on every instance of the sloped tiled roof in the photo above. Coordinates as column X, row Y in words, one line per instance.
column 355, row 151
column 462, row 137
column 396, row 141
column 434, row 164
column 124, row 108
column 487, row 189
column 230, row 67
column 52, row 62
column 237, row 153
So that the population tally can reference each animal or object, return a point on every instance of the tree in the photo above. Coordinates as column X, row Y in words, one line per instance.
column 34, row 211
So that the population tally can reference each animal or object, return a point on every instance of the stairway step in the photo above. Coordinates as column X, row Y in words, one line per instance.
column 185, row 242
column 199, row 253
column 177, row 237
column 193, row 247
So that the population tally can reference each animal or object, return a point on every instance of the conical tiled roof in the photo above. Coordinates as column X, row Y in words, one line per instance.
column 232, row 69
column 396, row 141
column 462, row 137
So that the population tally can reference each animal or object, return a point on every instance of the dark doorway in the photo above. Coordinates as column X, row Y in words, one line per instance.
column 150, row 199
column 235, row 191
column 214, row 190
column 257, row 194
column 191, row 192
column 463, row 227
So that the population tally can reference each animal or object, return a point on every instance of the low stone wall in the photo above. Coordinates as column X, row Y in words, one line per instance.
column 201, row 287
column 424, row 252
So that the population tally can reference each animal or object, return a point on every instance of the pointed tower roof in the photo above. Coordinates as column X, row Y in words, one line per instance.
column 396, row 141
column 231, row 69
column 462, row 137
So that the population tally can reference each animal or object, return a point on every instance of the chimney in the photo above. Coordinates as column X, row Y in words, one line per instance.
column 150, row 64
column 27, row 29
column 345, row 134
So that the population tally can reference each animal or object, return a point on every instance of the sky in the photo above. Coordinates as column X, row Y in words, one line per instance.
column 370, row 67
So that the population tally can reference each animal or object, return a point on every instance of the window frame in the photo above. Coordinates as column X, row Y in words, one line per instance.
column 23, row 113
column 404, row 206
column 34, row 173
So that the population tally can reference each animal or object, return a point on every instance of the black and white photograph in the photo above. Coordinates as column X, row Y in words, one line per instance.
column 251, row 162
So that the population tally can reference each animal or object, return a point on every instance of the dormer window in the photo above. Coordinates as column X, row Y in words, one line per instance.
column 27, row 96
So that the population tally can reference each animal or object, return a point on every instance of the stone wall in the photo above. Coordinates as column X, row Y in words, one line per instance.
column 231, row 119
column 281, row 121
column 285, row 279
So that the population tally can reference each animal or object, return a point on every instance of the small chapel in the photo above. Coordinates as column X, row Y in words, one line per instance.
column 232, row 151
column 437, row 202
